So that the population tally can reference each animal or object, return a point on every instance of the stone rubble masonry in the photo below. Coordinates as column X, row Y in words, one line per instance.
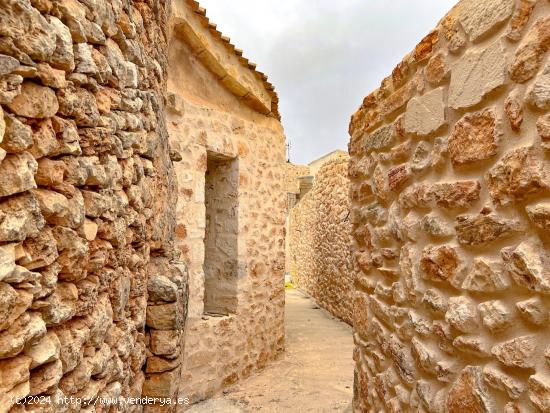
column 292, row 183
column 319, row 239
column 221, row 110
column 450, row 212
column 86, row 226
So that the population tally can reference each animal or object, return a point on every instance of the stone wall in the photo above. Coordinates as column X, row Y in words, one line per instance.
column 316, row 164
column 292, row 183
column 211, row 118
column 91, row 303
column 450, row 205
column 319, row 241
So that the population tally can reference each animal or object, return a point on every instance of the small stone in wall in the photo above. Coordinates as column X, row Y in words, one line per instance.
column 499, row 380
column 539, row 391
column 425, row 357
column 513, row 106
column 481, row 229
column 380, row 183
column 538, row 95
column 17, row 174
column 448, row 195
column 45, row 379
column 543, row 128
column 480, row 18
column 533, row 310
column 440, row 152
column 425, row 48
column 29, row 326
column 425, row 114
column 435, row 226
column 61, row 305
column 17, row 136
column 165, row 342
column 437, row 69
column 79, row 104
column 165, row 316
column 20, row 217
column 41, row 251
column 398, row 175
column 35, row 101
column 540, row 214
column 517, row 352
column 13, row 372
column 381, row 138
column 476, row 74
column 531, row 51
column 528, row 265
column 399, row 98
column 59, row 210
column 421, row 157
column 7, row 64
column 475, row 137
column 473, row 344
column 495, row 316
column 63, row 57
column 44, row 351
column 520, row 172
column 454, row 34
column 468, row 393
column 10, row 87
column 520, row 18
column 435, row 301
column 54, row 78
column 462, row 314
column 439, row 263
column 486, row 276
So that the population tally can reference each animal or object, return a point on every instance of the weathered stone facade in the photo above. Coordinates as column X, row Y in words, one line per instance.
column 92, row 300
column 450, row 188
column 319, row 239
column 223, row 121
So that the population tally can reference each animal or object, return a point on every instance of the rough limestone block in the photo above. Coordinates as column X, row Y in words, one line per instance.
column 17, row 174
column 475, row 137
column 531, row 51
column 540, row 214
column 469, row 391
column 7, row 64
column 539, row 391
column 476, row 74
column 538, row 94
column 35, row 101
column 425, row 114
column 520, row 172
column 517, row 352
column 478, row 18
column 44, row 351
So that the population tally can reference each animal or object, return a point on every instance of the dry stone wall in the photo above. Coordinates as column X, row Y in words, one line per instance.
column 319, row 241
column 92, row 301
column 450, row 188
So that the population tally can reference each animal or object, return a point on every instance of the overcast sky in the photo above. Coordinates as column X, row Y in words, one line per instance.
column 324, row 56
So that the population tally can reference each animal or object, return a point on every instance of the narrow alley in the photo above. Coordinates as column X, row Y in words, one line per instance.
column 315, row 374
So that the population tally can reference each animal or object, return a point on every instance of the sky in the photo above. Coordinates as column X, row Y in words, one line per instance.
column 324, row 56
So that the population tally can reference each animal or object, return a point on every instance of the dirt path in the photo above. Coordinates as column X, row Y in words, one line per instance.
column 314, row 375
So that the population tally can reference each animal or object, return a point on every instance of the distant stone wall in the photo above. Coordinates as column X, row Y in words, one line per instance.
column 450, row 187
column 319, row 241
column 91, row 303
column 292, row 183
